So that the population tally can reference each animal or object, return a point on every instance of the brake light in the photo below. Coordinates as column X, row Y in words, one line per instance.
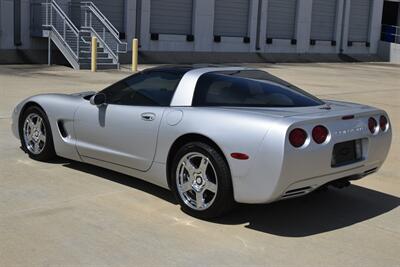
column 372, row 124
column 297, row 137
column 383, row 123
column 319, row 134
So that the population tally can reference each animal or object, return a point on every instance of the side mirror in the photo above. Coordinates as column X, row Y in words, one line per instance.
column 98, row 99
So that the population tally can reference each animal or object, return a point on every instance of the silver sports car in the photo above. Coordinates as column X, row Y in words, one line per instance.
column 212, row 135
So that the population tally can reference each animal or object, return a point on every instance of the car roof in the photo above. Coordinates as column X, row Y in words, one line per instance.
column 189, row 67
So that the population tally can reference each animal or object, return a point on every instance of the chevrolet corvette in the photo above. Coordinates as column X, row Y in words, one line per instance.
column 213, row 135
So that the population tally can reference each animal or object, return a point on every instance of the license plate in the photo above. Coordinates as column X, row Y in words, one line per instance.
column 347, row 153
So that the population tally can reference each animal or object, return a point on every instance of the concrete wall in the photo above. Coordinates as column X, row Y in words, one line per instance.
column 389, row 52
column 7, row 26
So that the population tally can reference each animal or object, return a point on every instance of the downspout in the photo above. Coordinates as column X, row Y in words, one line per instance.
column 17, row 23
column 342, row 29
column 1, row 29
column 138, row 19
column 258, row 25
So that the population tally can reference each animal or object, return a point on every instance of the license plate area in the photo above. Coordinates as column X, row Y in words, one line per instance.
column 347, row 153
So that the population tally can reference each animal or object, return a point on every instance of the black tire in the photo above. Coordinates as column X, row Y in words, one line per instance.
column 47, row 152
column 223, row 201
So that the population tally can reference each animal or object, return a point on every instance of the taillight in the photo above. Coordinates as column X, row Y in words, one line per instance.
column 372, row 124
column 297, row 137
column 319, row 134
column 383, row 123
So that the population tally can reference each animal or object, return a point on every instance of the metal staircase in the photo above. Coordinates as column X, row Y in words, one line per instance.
column 75, row 44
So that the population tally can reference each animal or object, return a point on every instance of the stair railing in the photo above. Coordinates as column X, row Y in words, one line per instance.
column 56, row 19
column 103, row 29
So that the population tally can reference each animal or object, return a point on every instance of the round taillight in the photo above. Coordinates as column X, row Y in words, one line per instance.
column 383, row 123
column 297, row 137
column 319, row 134
column 372, row 124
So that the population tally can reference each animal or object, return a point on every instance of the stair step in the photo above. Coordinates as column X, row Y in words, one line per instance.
column 87, row 38
column 99, row 60
column 104, row 66
column 85, row 33
column 83, row 44
column 88, row 54
column 88, row 49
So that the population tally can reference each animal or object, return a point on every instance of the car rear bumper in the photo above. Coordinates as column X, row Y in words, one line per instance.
column 281, row 171
column 306, row 186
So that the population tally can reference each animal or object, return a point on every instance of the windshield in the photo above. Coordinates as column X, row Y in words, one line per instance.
column 249, row 88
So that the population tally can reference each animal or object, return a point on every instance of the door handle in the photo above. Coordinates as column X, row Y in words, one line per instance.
column 148, row 116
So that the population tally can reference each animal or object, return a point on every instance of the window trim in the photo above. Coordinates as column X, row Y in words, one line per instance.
column 176, row 72
column 276, row 81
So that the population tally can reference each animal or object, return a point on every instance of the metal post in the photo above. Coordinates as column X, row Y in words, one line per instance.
column 94, row 54
column 46, row 5
column 77, row 46
column 64, row 31
column 135, row 51
column 51, row 14
column 49, row 50
column 85, row 17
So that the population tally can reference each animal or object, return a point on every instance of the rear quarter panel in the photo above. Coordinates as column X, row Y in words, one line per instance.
column 231, row 131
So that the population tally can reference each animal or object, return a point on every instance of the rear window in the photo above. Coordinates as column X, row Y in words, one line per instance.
column 249, row 88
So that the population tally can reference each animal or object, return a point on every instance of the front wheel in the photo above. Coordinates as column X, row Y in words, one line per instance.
column 35, row 133
column 201, row 181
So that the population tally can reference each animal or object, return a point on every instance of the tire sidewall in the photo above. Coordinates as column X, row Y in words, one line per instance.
column 224, row 198
column 48, row 151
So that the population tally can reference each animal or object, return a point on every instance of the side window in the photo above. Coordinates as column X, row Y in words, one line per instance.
column 152, row 88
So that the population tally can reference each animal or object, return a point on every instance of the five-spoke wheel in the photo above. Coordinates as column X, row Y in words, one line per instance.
column 35, row 133
column 201, row 180
column 196, row 181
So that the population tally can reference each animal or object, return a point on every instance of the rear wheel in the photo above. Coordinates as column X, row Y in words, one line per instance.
column 201, row 181
column 35, row 134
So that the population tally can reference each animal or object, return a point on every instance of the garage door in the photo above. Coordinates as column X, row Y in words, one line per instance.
column 114, row 11
column 231, row 17
column 323, row 22
column 359, row 20
column 171, row 16
column 281, row 19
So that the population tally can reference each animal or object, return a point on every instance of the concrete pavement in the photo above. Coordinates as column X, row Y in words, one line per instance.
column 68, row 213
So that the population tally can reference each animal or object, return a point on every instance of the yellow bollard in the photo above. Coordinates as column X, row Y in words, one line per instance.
column 135, row 51
column 94, row 54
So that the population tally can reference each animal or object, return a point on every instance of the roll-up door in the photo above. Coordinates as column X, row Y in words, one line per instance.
column 323, row 22
column 114, row 11
column 171, row 16
column 359, row 20
column 281, row 19
column 231, row 17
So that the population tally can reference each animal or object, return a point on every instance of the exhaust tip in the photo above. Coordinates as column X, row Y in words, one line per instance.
column 340, row 183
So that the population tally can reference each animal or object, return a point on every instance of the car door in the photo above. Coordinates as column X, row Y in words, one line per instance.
column 124, row 130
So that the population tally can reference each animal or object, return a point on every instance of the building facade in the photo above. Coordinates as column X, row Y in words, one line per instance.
column 249, row 26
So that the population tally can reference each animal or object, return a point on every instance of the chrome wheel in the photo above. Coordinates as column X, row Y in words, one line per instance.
column 196, row 181
column 34, row 132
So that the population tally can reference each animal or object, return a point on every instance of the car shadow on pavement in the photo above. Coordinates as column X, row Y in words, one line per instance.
column 316, row 213
column 120, row 178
